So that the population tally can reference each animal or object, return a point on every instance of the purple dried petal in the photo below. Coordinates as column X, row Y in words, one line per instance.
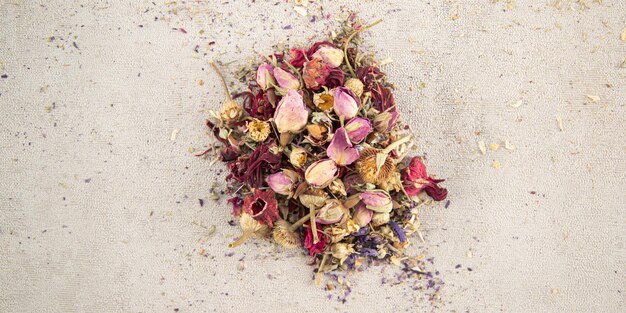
column 398, row 230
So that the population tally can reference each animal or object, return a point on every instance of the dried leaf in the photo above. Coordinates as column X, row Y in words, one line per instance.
column 494, row 146
column 623, row 36
column 496, row 164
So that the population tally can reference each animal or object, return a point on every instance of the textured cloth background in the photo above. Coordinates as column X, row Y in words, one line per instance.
column 102, row 100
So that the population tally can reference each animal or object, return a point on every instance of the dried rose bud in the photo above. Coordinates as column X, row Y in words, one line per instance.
column 297, row 157
column 346, row 105
column 291, row 114
column 385, row 121
column 264, row 76
column 340, row 149
column 380, row 219
column 342, row 251
column 319, row 129
column 377, row 200
column 362, row 215
column 283, row 182
column 355, row 85
column 358, row 128
column 231, row 111
column 337, row 188
column 258, row 130
column 330, row 55
column 286, row 80
column 321, row 173
column 331, row 212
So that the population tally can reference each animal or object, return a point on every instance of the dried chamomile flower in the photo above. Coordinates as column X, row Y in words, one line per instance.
column 258, row 130
column 355, row 85
column 251, row 228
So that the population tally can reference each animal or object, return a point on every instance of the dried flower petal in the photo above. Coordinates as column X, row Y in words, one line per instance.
column 318, row 247
column 262, row 206
column 416, row 180
column 286, row 80
column 340, row 149
column 315, row 73
column 362, row 215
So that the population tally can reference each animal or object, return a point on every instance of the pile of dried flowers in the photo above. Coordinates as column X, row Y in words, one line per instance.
column 318, row 156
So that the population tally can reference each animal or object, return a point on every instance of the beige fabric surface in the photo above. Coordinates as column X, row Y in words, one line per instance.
column 99, row 208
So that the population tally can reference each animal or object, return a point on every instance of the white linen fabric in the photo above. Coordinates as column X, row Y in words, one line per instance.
column 100, row 102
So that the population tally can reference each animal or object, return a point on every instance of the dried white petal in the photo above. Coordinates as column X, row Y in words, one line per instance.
column 482, row 147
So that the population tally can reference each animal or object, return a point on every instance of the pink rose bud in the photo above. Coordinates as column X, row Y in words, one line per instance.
column 321, row 173
column 385, row 121
column 346, row 104
column 286, row 80
column 330, row 213
column 362, row 215
column 358, row 128
column 264, row 76
column 282, row 182
column 377, row 201
column 340, row 149
column 291, row 114
column 330, row 55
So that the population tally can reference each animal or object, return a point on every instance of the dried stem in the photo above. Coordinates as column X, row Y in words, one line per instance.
column 318, row 275
column 246, row 234
column 313, row 227
column 217, row 70
column 345, row 47
column 301, row 221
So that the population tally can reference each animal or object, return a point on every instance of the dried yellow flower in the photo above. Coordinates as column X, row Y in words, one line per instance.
column 324, row 100
column 355, row 85
column 231, row 111
column 297, row 157
column 258, row 130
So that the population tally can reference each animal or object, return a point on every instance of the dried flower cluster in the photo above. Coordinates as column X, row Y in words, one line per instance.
column 317, row 156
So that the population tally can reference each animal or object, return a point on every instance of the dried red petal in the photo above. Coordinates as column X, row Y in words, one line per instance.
column 416, row 179
column 262, row 206
column 317, row 248
column 315, row 73
column 237, row 204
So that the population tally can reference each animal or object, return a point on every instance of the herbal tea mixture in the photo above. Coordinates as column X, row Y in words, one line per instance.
column 318, row 156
